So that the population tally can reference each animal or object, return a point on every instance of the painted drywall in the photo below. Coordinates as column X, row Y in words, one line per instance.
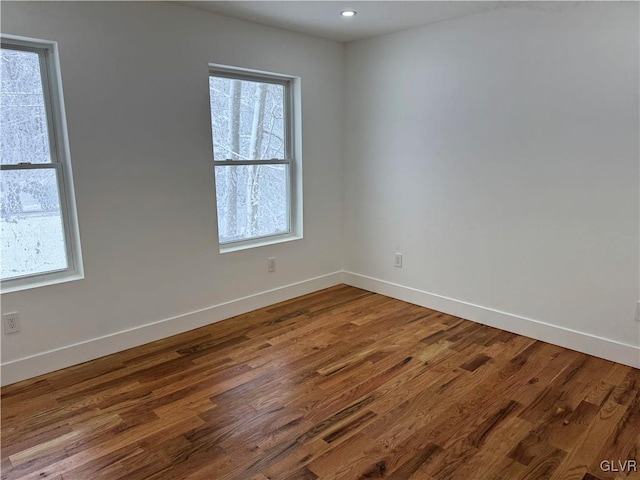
column 497, row 152
column 500, row 154
column 135, row 79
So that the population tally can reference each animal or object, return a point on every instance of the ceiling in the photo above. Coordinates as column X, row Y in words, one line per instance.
column 322, row 18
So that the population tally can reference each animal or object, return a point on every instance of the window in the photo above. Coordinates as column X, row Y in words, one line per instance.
column 39, row 234
column 256, row 157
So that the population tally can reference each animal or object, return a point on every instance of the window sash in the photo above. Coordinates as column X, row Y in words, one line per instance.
column 66, row 228
column 43, row 56
column 289, row 202
column 259, row 77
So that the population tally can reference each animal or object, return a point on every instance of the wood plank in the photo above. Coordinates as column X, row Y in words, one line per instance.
column 338, row 384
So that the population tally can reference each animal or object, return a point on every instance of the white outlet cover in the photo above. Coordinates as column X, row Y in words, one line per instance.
column 7, row 318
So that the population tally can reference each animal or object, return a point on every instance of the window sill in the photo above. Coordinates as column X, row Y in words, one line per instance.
column 9, row 286
column 259, row 242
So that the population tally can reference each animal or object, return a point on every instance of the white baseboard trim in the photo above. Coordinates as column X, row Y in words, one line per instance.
column 583, row 342
column 52, row 360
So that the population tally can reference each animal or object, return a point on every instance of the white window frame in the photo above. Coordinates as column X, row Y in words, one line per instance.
column 293, row 154
column 60, row 161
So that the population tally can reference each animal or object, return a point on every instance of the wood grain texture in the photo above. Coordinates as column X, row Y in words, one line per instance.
column 339, row 384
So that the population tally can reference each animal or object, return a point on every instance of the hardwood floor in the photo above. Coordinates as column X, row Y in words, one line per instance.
column 340, row 384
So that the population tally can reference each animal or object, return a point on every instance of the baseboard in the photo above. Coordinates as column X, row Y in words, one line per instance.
column 67, row 356
column 46, row 362
column 583, row 342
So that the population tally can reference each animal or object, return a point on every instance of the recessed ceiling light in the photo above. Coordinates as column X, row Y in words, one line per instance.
column 348, row 13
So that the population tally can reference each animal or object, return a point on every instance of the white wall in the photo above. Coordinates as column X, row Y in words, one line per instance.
column 135, row 79
column 499, row 153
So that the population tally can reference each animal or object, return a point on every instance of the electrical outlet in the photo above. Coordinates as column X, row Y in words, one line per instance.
column 11, row 322
column 271, row 264
column 638, row 312
column 398, row 260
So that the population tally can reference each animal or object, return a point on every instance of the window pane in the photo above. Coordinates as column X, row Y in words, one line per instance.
column 252, row 201
column 247, row 119
column 24, row 135
column 31, row 223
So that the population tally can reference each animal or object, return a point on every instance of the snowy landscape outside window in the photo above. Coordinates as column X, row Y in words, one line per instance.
column 251, row 123
column 38, row 240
